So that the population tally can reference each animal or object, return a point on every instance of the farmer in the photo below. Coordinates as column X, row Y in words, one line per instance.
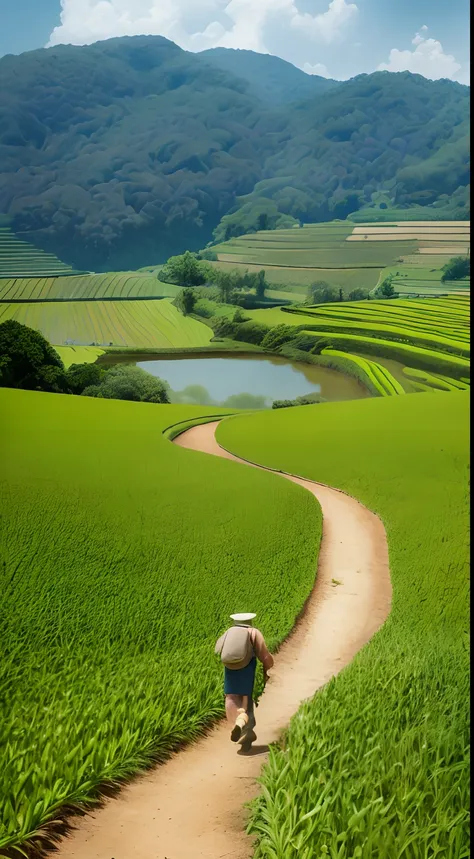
column 239, row 649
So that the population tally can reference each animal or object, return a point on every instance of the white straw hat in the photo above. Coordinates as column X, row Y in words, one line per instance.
column 242, row 618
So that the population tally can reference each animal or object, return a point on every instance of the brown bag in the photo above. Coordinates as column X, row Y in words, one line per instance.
column 235, row 647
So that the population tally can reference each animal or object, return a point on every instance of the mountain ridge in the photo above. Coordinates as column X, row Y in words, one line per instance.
column 118, row 154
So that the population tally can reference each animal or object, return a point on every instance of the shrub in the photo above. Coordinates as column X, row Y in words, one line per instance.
column 456, row 269
column 28, row 361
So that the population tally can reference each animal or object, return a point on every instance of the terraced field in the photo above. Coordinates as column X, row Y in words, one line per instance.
column 118, row 285
column 349, row 256
column 377, row 763
column 106, row 601
column 429, row 335
column 130, row 324
column 19, row 258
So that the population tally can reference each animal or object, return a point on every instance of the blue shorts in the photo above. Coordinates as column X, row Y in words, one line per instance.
column 240, row 682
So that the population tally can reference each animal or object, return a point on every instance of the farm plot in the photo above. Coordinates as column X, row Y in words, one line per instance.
column 129, row 324
column 431, row 334
column 120, row 285
column 399, row 786
column 123, row 558
column 19, row 258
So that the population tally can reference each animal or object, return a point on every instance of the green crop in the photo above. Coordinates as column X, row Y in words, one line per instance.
column 377, row 763
column 22, row 259
column 130, row 324
column 122, row 557
column 379, row 377
column 118, row 285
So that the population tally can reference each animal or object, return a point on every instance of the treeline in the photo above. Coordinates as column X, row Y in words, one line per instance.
column 169, row 150
column 29, row 362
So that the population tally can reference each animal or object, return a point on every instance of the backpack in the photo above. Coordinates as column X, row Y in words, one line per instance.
column 235, row 647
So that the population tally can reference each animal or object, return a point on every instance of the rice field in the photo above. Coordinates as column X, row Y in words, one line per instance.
column 431, row 335
column 20, row 258
column 118, row 285
column 345, row 255
column 377, row 763
column 122, row 558
column 128, row 324
column 78, row 354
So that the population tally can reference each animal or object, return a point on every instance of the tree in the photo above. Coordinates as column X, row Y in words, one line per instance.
column 187, row 301
column 186, row 270
column 260, row 285
column 358, row 295
column 82, row 376
column 28, row 361
column 262, row 221
column 387, row 289
column 456, row 269
column 321, row 292
column 341, row 295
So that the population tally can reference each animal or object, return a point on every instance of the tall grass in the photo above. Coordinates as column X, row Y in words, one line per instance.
column 122, row 557
column 377, row 763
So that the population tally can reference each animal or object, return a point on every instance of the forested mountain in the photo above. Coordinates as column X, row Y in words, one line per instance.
column 118, row 154
column 271, row 79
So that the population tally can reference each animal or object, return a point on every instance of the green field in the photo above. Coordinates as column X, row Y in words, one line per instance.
column 19, row 258
column 78, row 354
column 377, row 763
column 127, row 324
column 429, row 334
column 119, row 285
column 122, row 558
column 349, row 256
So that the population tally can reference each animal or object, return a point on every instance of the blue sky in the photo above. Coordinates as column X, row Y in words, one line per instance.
column 336, row 38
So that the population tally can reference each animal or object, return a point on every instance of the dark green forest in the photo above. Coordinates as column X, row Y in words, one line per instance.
column 119, row 154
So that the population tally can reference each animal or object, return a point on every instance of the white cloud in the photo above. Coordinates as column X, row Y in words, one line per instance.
column 199, row 24
column 428, row 59
column 317, row 69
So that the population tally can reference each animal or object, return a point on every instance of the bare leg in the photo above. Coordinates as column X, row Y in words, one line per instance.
column 234, row 703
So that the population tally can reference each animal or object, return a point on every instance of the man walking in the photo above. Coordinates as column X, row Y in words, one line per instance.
column 239, row 649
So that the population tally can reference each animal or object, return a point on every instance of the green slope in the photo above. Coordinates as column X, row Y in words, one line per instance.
column 377, row 763
column 122, row 558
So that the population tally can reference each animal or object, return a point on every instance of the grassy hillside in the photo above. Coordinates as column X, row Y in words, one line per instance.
column 120, row 285
column 377, row 763
column 130, row 324
column 409, row 345
column 122, row 558
column 132, row 150
column 19, row 258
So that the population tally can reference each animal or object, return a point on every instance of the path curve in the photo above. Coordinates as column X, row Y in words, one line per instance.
column 192, row 806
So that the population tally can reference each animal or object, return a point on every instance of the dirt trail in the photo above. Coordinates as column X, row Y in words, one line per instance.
column 192, row 806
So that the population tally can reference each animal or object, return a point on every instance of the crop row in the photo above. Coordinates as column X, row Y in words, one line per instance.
column 110, row 323
column 90, row 287
column 379, row 379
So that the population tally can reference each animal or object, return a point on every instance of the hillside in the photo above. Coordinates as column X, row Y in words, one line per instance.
column 132, row 149
column 271, row 79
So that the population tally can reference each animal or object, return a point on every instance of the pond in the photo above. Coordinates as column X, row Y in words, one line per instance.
column 242, row 381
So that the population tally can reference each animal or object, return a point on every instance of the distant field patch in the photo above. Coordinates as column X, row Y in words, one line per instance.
column 85, row 287
column 78, row 354
column 130, row 324
column 19, row 258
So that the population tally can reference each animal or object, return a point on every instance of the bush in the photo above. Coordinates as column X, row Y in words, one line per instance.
column 358, row 295
column 456, row 269
column 251, row 332
column 277, row 336
column 127, row 382
column 82, row 376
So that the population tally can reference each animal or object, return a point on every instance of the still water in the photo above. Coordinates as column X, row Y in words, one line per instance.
column 209, row 380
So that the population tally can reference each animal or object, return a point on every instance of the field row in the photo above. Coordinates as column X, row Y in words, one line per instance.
column 130, row 324
column 85, row 287
column 19, row 258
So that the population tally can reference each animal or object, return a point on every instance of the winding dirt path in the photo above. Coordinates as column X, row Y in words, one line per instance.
column 192, row 806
